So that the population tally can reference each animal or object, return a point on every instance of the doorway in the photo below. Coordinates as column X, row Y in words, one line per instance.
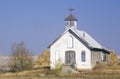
column 70, row 58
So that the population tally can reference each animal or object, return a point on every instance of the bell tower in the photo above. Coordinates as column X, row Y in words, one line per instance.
column 71, row 21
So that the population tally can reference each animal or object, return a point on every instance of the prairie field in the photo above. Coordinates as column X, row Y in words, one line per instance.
column 41, row 78
column 99, row 72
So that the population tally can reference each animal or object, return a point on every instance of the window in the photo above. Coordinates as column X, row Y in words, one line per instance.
column 83, row 56
column 67, row 23
column 70, row 42
column 104, row 57
column 71, row 23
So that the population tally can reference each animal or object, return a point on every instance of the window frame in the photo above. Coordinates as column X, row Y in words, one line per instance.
column 83, row 56
column 104, row 57
column 70, row 42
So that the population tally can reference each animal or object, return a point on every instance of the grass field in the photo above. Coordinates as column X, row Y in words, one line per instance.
column 40, row 78
column 101, row 71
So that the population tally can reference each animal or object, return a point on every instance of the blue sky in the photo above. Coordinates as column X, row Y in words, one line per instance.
column 39, row 22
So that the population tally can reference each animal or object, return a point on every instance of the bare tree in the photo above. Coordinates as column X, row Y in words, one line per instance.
column 21, row 58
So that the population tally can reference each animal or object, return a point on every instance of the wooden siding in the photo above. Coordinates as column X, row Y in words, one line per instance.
column 95, row 58
column 107, row 60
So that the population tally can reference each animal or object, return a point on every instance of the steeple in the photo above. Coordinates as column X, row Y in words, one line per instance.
column 71, row 20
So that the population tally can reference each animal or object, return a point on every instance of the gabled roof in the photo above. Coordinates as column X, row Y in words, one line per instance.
column 71, row 17
column 86, row 39
column 92, row 42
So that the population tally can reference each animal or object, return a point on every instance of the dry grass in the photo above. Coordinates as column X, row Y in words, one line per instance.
column 99, row 72
column 43, row 60
column 38, row 72
column 113, row 58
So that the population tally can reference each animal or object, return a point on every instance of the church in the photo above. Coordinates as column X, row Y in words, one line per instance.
column 76, row 48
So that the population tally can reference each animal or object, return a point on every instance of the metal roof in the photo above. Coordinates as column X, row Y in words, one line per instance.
column 86, row 39
column 71, row 17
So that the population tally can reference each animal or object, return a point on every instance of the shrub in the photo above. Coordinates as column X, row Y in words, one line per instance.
column 58, row 64
column 21, row 59
column 57, row 71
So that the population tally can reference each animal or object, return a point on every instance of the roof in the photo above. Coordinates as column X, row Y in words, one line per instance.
column 92, row 42
column 86, row 39
column 71, row 17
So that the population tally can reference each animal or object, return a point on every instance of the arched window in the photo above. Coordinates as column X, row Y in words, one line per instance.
column 83, row 56
column 70, row 42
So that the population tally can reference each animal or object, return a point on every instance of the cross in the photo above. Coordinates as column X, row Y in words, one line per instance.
column 71, row 9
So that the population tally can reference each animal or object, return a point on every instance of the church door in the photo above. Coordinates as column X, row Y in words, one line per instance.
column 69, row 57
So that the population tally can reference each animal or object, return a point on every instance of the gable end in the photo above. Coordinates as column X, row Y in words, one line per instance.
column 80, row 39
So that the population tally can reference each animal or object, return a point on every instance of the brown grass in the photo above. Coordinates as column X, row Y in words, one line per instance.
column 43, row 60
column 100, row 71
column 113, row 58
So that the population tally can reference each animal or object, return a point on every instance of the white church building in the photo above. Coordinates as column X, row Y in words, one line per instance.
column 77, row 48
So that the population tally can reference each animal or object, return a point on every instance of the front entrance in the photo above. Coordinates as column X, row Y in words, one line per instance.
column 69, row 57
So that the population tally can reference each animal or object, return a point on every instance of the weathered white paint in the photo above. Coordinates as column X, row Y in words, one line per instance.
column 57, row 51
column 68, row 42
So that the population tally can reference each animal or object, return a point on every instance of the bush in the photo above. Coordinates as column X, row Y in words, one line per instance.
column 57, row 71
column 21, row 59
column 58, row 64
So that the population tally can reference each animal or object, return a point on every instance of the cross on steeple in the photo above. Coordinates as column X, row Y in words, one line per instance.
column 71, row 9
column 71, row 20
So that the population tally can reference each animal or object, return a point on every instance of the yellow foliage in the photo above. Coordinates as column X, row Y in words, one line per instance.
column 43, row 60
column 113, row 58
